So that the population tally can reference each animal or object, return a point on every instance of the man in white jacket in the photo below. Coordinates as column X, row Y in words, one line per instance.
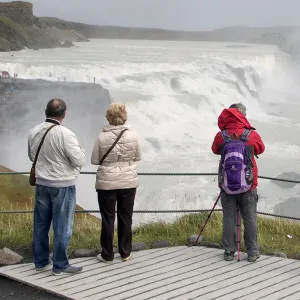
column 58, row 165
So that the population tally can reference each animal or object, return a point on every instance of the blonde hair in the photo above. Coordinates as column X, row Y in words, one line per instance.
column 116, row 114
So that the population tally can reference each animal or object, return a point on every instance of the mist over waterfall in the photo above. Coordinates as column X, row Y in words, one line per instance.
column 175, row 92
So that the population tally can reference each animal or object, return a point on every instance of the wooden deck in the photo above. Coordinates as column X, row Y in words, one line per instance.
column 170, row 273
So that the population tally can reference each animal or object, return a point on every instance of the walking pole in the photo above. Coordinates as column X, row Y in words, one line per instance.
column 208, row 218
column 238, row 224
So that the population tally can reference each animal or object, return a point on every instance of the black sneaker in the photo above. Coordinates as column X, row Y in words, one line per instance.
column 228, row 255
column 253, row 258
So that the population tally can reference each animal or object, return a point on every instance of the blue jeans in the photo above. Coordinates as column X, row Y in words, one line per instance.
column 56, row 205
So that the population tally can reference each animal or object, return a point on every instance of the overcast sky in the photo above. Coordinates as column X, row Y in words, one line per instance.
column 173, row 14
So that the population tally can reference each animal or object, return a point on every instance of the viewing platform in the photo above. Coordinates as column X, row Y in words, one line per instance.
column 170, row 273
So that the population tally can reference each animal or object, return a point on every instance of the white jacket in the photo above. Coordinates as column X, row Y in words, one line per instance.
column 118, row 171
column 61, row 157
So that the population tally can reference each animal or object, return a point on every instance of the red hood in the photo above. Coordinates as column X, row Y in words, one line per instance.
column 231, row 118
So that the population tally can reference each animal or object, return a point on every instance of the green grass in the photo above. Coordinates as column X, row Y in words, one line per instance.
column 16, row 229
column 16, row 232
column 272, row 234
column 15, row 192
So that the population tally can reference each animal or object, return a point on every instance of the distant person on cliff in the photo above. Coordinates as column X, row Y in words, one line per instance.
column 238, row 178
column 58, row 165
column 116, row 151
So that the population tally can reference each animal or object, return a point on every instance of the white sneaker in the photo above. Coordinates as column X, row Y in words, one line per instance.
column 100, row 258
column 127, row 258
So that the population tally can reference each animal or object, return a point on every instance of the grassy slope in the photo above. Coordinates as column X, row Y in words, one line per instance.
column 15, row 192
column 15, row 28
column 16, row 229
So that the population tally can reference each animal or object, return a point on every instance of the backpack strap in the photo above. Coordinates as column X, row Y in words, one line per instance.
column 245, row 135
column 226, row 136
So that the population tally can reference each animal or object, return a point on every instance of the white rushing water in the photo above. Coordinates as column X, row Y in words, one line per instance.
column 175, row 92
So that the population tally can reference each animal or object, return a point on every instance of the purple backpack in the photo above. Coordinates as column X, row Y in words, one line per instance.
column 236, row 167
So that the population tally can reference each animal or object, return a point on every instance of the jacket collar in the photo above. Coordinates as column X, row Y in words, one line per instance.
column 115, row 128
column 49, row 120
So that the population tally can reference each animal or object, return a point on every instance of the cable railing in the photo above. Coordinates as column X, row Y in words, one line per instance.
column 167, row 174
column 161, row 211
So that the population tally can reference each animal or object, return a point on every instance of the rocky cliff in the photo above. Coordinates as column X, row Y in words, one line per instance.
column 19, row 28
column 19, row 12
column 23, row 108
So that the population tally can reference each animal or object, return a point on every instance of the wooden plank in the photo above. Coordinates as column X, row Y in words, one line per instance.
column 44, row 276
column 257, row 288
column 170, row 273
column 142, row 289
column 292, row 294
column 13, row 267
column 181, row 285
column 94, row 266
column 147, row 274
column 276, row 291
column 33, row 283
column 131, row 269
column 254, row 282
column 119, row 291
column 97, row 267
column 29, row 269
column 252, row 273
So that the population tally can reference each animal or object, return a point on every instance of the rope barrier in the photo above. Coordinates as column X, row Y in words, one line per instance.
column 136, row 211
column 160, row 211
column 153, row 212
column 167, row 174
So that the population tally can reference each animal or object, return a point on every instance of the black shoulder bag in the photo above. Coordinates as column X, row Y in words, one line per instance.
column 112, row 146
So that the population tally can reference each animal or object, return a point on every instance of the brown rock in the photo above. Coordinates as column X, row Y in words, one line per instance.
column 8, row 257
column 193, row 238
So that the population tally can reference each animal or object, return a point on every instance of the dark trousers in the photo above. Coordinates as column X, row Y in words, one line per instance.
column 248, row 207
column 107, row 200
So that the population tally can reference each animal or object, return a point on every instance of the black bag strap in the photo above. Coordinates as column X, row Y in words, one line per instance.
column 40, row 145
column 112, row 146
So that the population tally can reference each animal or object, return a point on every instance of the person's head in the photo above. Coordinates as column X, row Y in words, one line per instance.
column 56, row 109
column 116, row 114
column 239, row 106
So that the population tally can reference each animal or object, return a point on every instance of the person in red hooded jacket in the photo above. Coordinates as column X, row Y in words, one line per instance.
column 234, row 121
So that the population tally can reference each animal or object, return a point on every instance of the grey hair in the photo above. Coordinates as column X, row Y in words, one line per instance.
column 239, row 106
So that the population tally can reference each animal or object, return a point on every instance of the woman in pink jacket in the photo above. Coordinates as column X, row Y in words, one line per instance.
column 115, row 151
